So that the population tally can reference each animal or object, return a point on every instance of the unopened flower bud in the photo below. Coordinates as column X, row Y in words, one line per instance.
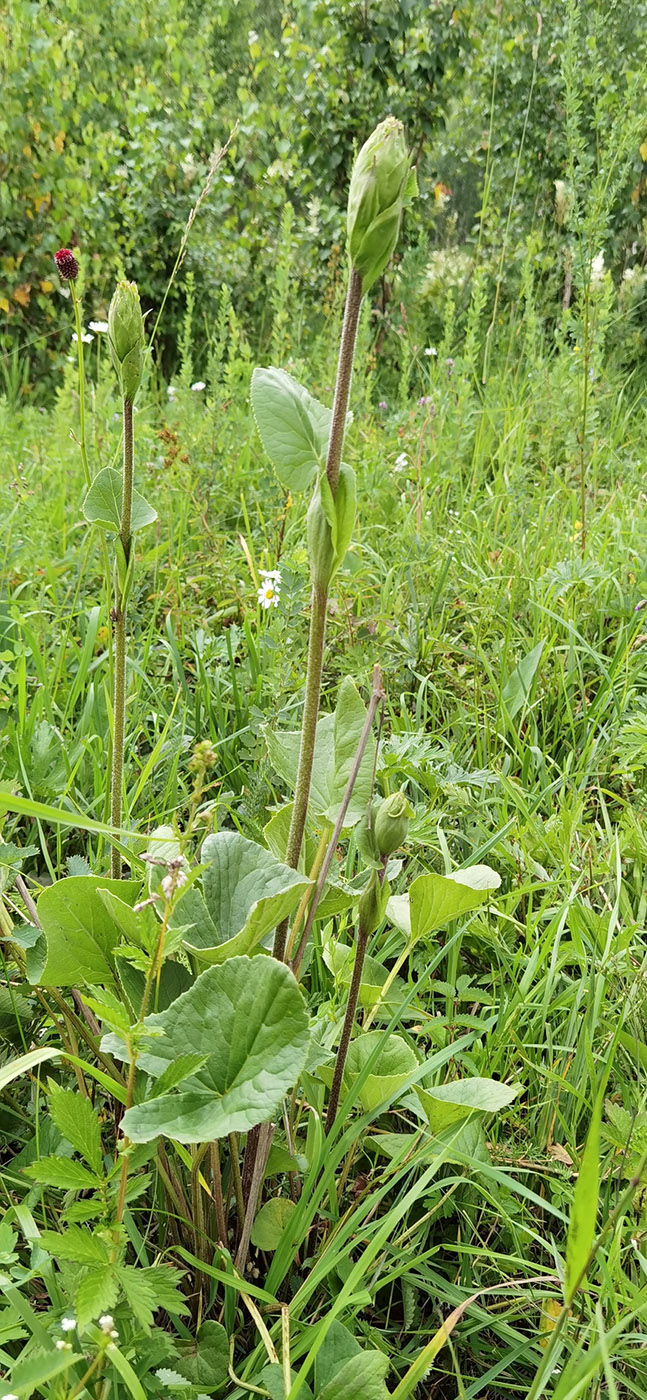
column 392, row 823
column 382, row 183
column 126, row 338
column 66, row 264
column 372, row 904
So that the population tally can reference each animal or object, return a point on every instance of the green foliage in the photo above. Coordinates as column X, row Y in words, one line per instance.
column 248, row 1018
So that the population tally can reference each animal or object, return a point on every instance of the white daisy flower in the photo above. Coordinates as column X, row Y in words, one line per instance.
column 431, row 350
column 85, row 337
column 198, row 386
column 269, row 593
column 100, row 327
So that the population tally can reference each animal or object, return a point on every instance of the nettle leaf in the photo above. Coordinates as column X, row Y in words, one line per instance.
column 293, row 426
column 270, row 1223
column 33, row 1371
column 446, row 1104
column 95, row 1293
column 81, row 933
column 56, row 1171
column 395, row 1062
column 77, row 1122
column 102, row 504
column 336, row 742
column 434, row 900
column 76, row 1244
column 360, row 1378
column 205, row 1363
column 247, row 892
column 248, row 1018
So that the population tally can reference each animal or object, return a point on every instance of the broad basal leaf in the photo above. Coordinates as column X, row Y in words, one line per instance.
column 80, row 931
column 360, row 1378
column 247, row 892
column 102, row 504
column 446, row 1104
column 248, row 1018
column 205, row 1362
column 434, row 900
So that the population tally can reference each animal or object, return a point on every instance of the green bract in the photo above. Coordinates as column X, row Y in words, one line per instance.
column 381, row 185
column 126, row 338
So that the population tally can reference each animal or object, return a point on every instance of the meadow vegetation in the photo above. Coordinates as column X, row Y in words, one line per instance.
column 201, row 1195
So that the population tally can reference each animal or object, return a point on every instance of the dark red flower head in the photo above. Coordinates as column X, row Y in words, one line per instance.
column 67, row 265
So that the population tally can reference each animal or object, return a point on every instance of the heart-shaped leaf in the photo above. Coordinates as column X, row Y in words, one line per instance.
column 433, row 900
column 270, row 1223
column 395, row 1062
column 81, row 932
column 248, row 1018
column 102, row 504
column 246, row 894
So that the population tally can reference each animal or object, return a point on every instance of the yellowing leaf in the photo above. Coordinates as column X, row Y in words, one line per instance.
column 4, row 305
column 59, row 141
column 643, row 151
column 550, row 1311
column 46, row 285
column 26, row 150
column 22, row 294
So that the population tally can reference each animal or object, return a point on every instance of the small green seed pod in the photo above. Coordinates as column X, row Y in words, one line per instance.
column 126, row 338
column 392, row 823
column 382, row 183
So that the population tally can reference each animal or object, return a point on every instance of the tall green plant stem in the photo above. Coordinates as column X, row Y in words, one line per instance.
column 119, row 703
column 319, row 604
column 79, row 351
column 88, row 481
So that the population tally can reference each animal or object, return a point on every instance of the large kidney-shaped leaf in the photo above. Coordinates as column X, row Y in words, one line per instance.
column 247, row 892
column 433, row 900
column 336, row 744
column 446, row 1104
column 248, row 1018
column 395, row 1062
column 80, row 930
column 293, row 426
column 102, row 504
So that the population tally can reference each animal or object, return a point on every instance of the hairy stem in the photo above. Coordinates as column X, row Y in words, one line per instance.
column 119, row 701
